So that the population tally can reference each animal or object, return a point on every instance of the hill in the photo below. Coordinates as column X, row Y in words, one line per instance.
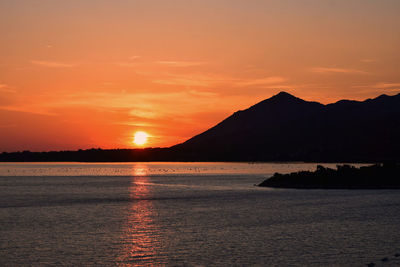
column 287, row 128
column 281, row 128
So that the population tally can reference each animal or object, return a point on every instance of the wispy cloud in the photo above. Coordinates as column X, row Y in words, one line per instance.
column 142, row 113
column 200, row 80
column 180, row 63
column 145, row 102
column 52, row 64
column 33, row 109
column 387, row 85
column 134, row 62
column 136, row 124
column 6, row 89
column 202, row 93
column 209, row 80
column 137, row 106
column 368, row 60
column 184, row 82
column 380, row 85
column 127, row 64
column 260, row 81
column 327, row 70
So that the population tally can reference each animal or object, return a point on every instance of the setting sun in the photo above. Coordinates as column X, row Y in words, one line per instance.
column 140, row 138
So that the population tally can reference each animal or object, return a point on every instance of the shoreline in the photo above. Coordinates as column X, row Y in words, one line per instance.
column 377, row 176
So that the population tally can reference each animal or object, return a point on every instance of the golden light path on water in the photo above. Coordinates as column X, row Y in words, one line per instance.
column 140, row 234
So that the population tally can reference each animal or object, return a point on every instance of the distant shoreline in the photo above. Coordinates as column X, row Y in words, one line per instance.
column 194, row 161
column 156, row 155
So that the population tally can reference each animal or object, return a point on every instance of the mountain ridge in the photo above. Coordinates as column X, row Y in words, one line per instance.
column 265, row 131
column 280, row 128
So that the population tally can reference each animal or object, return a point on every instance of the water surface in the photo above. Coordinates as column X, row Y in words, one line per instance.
column 187, row 214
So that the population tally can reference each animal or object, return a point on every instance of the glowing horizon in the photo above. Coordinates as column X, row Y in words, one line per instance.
column 83, row 74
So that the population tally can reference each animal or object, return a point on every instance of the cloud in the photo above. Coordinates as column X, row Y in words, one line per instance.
column 6, row 89
column 380, row 85
column 180, row 63
column 260, row 81
column 133, row 62
column 368, row 60
column 208, row 80
column 136, row 124
column 143, row 113
column 387, row 85
column 202, row 93
column 139, row 104
column 51, row 64
column 325, row 70
column 127, row 64
column 33, row 109
column 200, row 80
column 184, row 82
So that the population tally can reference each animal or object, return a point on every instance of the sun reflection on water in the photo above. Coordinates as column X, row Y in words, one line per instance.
column 140, row 237
column 140, row 170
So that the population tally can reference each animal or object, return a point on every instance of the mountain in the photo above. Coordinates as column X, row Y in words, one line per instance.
column 287, row 128
column 281, row 128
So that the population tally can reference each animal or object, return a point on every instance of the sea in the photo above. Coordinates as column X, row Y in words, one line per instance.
column 188, row 214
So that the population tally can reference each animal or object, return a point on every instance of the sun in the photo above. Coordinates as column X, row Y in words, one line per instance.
column 140, row 138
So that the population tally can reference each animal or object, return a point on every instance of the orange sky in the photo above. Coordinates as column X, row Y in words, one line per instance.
column 89, row 73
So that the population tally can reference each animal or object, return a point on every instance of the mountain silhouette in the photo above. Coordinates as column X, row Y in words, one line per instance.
column 287, row 128
column 281, row 128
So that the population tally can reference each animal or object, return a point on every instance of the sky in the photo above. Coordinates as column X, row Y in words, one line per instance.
column 90, row 73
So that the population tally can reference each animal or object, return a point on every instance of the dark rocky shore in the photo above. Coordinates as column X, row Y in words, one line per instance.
column 378, row 176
